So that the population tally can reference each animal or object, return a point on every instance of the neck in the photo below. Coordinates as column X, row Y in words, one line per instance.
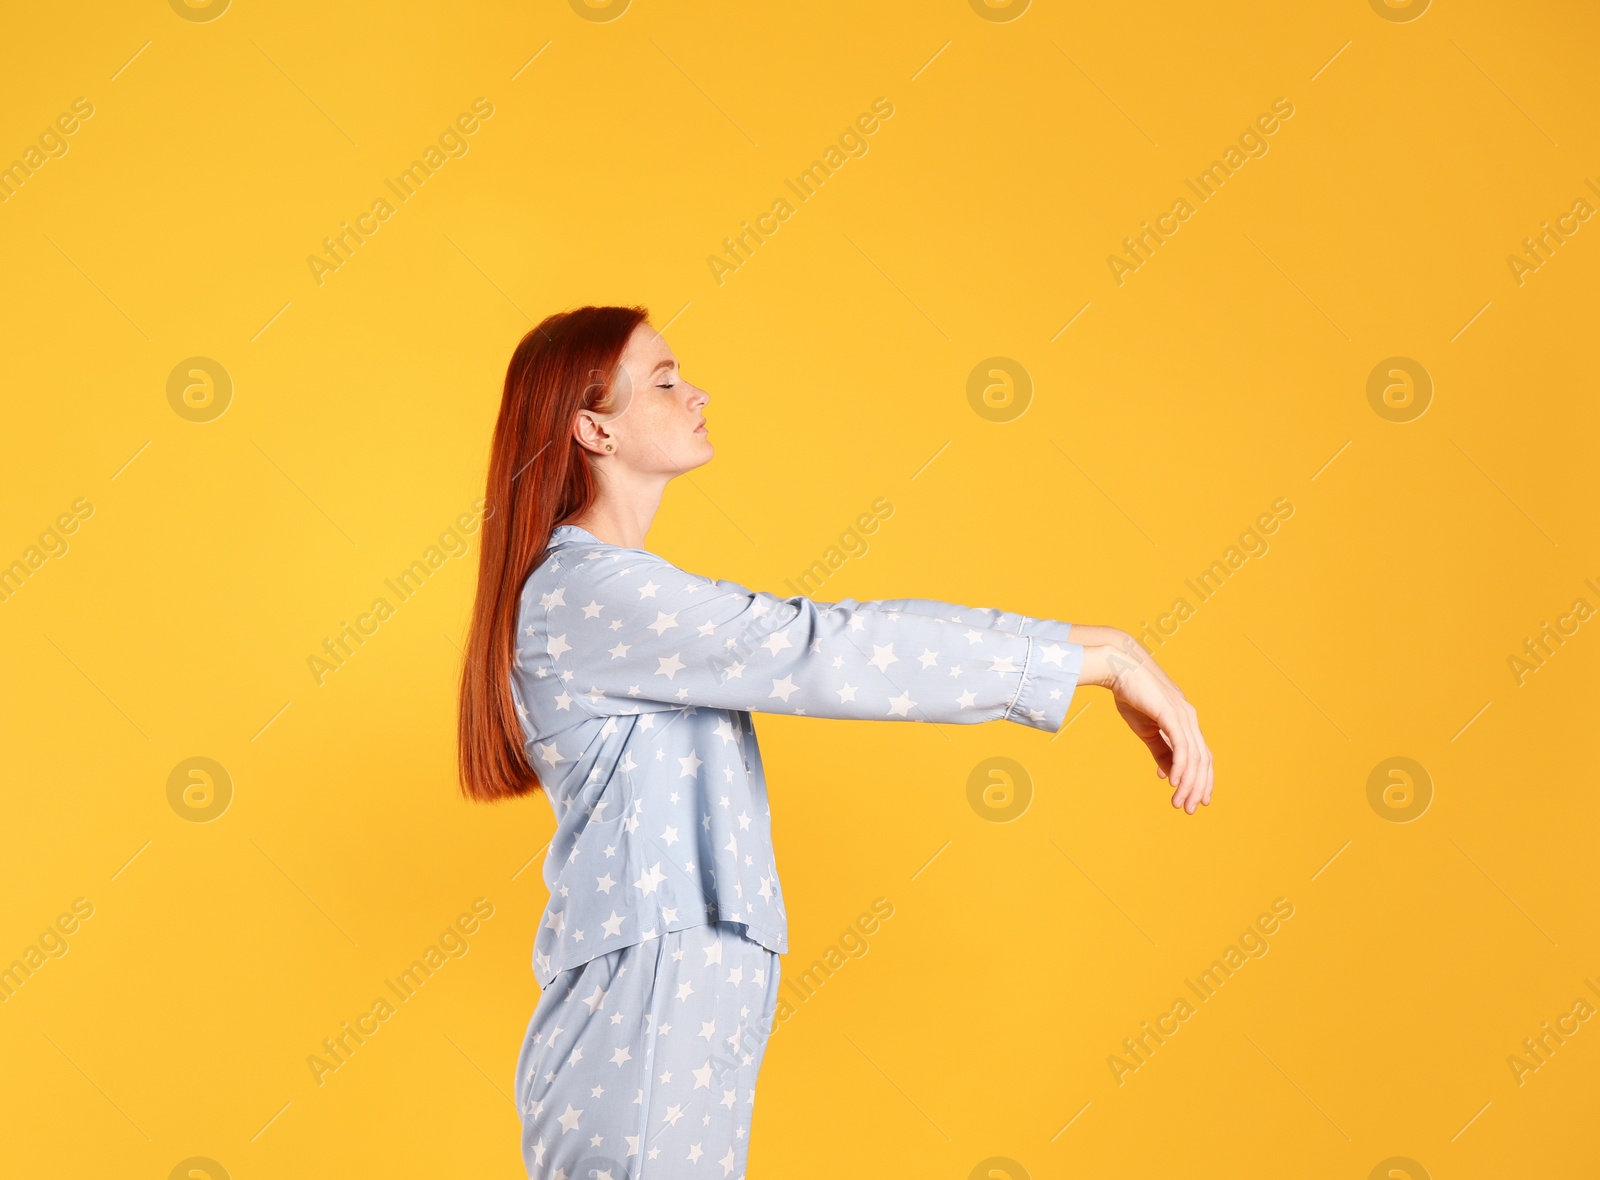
column 623, row 509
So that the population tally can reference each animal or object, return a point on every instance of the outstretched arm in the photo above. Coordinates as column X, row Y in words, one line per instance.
column 650, row 635
column 1147, row 699
column 643, row 634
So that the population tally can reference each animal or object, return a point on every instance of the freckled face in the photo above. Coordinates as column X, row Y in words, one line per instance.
column 659, row 424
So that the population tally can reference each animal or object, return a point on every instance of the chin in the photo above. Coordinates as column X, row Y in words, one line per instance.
column 697, row 457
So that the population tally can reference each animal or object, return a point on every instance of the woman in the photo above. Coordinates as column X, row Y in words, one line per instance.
column 623, row 686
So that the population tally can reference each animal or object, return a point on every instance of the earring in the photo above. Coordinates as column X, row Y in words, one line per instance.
column 608, row 446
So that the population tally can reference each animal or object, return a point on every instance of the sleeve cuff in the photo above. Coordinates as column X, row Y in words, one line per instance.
column 1049, row 678
column 1050, row 629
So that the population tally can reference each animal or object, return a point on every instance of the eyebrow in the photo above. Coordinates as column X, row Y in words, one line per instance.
column 662, row 365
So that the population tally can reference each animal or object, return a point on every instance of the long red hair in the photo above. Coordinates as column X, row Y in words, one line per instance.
column 539, row 477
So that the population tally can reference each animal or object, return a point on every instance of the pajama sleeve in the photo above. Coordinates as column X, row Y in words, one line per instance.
column 975, row 616
column 635, row 632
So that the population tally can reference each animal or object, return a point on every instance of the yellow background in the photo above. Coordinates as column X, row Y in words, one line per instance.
column 1176, row 408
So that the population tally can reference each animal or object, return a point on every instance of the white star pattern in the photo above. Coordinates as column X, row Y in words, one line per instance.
column 633, row 683
column 687, row 1082
column 643, row 623
column 647, row 882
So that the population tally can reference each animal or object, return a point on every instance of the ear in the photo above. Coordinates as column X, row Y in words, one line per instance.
column 591, row 435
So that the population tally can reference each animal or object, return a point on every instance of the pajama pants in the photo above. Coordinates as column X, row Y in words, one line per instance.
column 641, row 1064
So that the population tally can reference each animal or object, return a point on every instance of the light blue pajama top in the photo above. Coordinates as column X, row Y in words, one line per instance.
column 634, row 681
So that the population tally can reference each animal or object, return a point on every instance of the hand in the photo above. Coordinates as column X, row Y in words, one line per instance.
column 1157, row 711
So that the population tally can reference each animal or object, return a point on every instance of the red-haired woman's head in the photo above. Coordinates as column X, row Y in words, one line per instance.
column 593, row 406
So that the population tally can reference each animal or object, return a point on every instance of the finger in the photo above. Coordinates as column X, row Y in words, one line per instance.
column 1175, row 761
column 1202, row 785
column 1196, row 746
column 1180, row 797
column 1195, row 785
column 1180, row 721
column 1161, row 752
column 1173, row 736
column 1205, row 787
column 1182, row 756
column 1201, row 754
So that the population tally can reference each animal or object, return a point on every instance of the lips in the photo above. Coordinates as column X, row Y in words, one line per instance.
column 700, row 428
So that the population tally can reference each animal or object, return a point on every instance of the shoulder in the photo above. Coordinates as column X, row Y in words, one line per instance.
column 610, row 573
